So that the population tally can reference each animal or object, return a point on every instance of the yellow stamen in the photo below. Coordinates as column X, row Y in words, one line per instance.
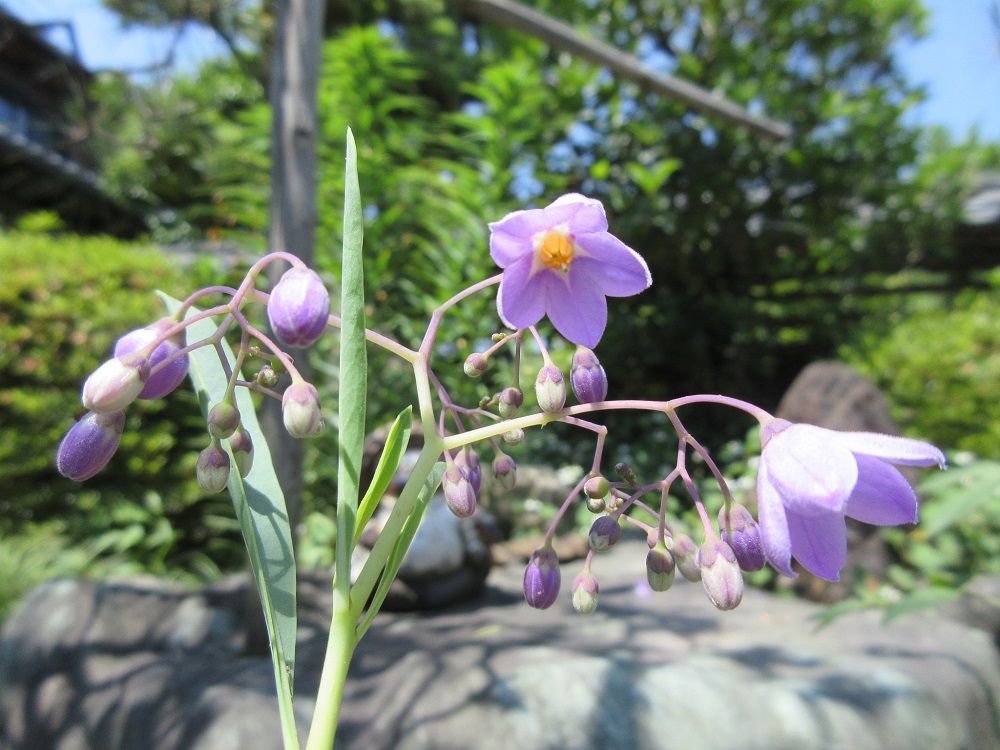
column 556, row 251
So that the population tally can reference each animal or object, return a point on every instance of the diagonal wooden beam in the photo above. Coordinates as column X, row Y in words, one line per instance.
column 559, row 35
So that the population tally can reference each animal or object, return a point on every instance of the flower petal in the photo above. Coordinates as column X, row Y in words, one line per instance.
column 819, row 542
column 521, row 299
column 811, row 472
column 521, row 224
column 506, row 249
column 773, row 524
column 621, row 270
column 882, row 496
column 895, row 450
column 576, row 306
column 581, row 214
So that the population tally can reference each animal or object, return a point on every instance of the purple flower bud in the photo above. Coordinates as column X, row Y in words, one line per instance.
column 513, row 437
column 242, row 447
column 590, row 383
column 168, row 377
column 686, row 557
column 475, row 364
column 541, row 578
column 509, row 402
column 660, row 565
column 585, row 591
column 89, row 445
column 597, row 487
column 223, row 419
column 604, row 533
column 300, row 410
column 745, row 541
column 115, row 384
column 468, row 461
column 458, row 491
column 505, row 470
column 720, row 574
column 550, row 389
column 212, row 468
column 298, row 308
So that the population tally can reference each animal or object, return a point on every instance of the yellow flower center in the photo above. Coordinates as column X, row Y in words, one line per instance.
column 556, row 251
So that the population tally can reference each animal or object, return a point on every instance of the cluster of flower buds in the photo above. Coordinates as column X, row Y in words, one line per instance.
column 150, row 362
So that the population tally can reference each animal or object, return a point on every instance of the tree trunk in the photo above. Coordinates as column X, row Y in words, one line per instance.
column 295, row 67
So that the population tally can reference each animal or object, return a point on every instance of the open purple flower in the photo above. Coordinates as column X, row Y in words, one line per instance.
column 810, row 478
column 561, row 261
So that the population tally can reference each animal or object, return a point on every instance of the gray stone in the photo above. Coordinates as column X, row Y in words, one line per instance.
column 647, row 671
column 831, row 394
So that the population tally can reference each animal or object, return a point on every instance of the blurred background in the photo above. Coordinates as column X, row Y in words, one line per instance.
column 135, row 142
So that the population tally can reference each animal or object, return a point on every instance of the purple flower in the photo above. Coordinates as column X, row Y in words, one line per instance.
column 561, row 261
column 298, row 307
column 590, row 383
column 810, row 478
column 541, row 578
column 170, row 375
column 89, row 445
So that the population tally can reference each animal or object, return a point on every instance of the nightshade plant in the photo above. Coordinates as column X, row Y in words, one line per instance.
column 559, row 262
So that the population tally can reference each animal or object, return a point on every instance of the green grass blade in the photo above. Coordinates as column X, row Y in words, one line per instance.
column 352, row 405
column 259, row 505
column 406, row 535
column 395, row 446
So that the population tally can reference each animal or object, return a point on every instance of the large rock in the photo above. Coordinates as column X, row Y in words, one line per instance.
column 109, row 666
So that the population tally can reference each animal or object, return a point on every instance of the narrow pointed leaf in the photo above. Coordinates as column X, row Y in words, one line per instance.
column 403, row 542
column 259, row 504
column 353, row 368
column 392, row 453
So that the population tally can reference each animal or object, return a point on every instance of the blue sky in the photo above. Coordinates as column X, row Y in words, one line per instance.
column 959, row 62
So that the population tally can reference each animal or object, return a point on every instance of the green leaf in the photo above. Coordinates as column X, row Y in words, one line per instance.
column 392, row 453
column 959, row 493
column 920, row 599
column 406, row 535
column 352, row 405
column 259, row 504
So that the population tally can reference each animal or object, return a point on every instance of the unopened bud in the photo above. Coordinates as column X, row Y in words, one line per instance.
column 458, row 492
column 468, row 461
column 242, row 447
column 745, row 539
column 89, row 445
column 298, row 307
column 720, row 574
column 509, row 402
column 604, row 533
column 596, row 505
column 476, row 364
column 585, row 591
column 597, row 487
column 168, row 377
column 625, row 471
column 223, row 419
column 213, row 468
column 590, row 383
column 513, row 437
column 267, row 377
column 660, row 565
column 550, row 389
column 541, row 578
column 115, row 384
column 300, row 410
column 505, row 470
column 686, row 557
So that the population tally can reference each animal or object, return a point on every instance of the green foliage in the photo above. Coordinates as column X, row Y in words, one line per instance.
column 939, row 364
column 64, row 301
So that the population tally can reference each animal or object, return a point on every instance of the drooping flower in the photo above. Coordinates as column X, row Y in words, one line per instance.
column 810, row 478
column 560, row 261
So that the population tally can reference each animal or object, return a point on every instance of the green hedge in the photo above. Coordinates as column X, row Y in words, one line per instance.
column 64, row 300
column 939, row 365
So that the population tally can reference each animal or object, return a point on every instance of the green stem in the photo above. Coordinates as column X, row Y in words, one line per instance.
column 339, row 650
